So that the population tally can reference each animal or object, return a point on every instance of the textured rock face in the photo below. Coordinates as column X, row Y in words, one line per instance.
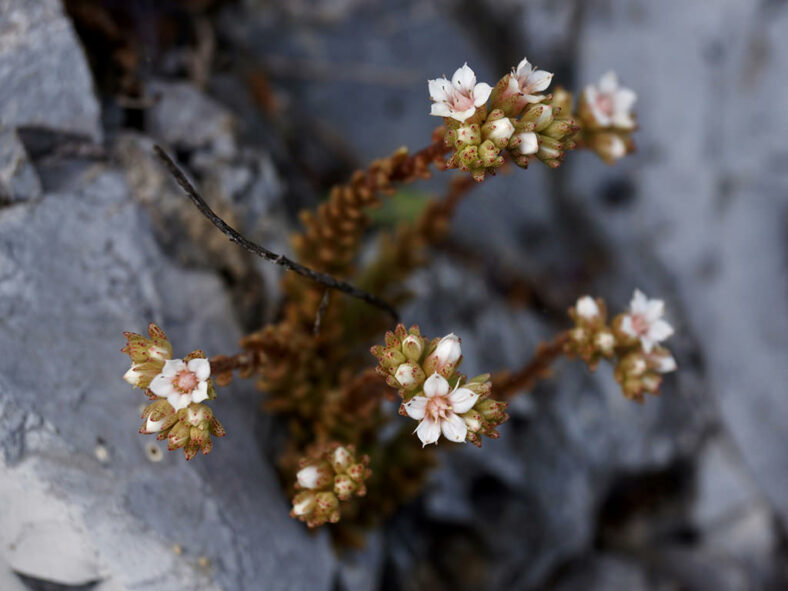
column 45, row 78
column 584, row 490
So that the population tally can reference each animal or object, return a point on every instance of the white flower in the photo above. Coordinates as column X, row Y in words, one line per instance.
column 644, row 321
column 611, row 104
column 529, row 81
column 438, row 410
column 529, row 143
column 182, row 383
column 586, row 307
column 459, row 98
column 662, row 361
column 448, row 350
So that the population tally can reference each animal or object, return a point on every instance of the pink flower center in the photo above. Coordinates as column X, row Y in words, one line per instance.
column 460, row 101
column 185, row 381
column 639, row 324
column 604, row 103
column 438, row 408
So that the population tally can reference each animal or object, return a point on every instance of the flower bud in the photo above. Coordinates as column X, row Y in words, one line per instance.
column 445, row 357
column 412, row 347
column 498, row 131
column 473, row 420
column 468, row 135
column 410, row 375
column 489, row 154
column 344, row 486
column 525, row 143
column 179, row 435
column 314, row 476
column 539, row 115
column 341, row 459
column 303, row 504
column 605, row 342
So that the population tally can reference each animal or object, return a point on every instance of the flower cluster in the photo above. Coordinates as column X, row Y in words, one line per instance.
column 605, row 110
column 433, row 392
column 632, row 338
column 177, row 387
column 325, row 478
column 527, row 123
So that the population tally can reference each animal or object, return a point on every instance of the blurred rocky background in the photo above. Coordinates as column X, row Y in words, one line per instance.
column 267, row 104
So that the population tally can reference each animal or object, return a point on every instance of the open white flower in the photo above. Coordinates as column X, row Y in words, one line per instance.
column 459, row 97
column 611, row 104
column 644, row 321
column 182, row 383
column 439, row 410
column 528, row 81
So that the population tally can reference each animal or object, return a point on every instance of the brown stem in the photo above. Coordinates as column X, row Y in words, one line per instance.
column 222, row 367
column 507, row 384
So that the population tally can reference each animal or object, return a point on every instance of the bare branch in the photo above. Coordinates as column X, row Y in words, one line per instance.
column 322, row 278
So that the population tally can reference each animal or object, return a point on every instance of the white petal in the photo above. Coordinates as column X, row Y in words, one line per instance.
column 173, row 367
column 439, row 89
column 648, row 343
column 660, row 330
column 454, row 428
column 304, row 505
column 200, row 393
column 178, row 401
column 587, row 307
column 639, row 303
column 462, row 400
column 440, row 110
column 534, row 98
column 464, row 79
column 161, row 385
column 436, row 385
column 539, row 80
column 623, row 120
column 529, row 143
column 616, row 147
column 152, row 426
column 654, row 310
column 523, row 68
column 608, row 83
column 624, row 99
column 201, row 368
column 463, row 115
column 481, row 92
column 416, row 407
column 626, row 326
column 503, row 128
column 428, row 431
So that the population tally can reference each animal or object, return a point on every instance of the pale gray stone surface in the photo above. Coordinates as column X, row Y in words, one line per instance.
column 44, row 76
column 18, row 178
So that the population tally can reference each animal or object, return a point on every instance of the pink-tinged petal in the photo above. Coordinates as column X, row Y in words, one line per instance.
column 440, row 89
column 464, row 79
column 440, row 110
column 201, row 368
column 179, row 401
column 591, row 95
column 463, row 115
column 428, row 431
column 660, row 330
column 454, row 428
column 608, row 83
column 436, row 385
column 539, row 80
column 462, row 400
column 416, row 407
column 161, row 385
column 200, row 393
column 523, row 68
column 481, row 92
column 529, row 143
column 173, row 367
column 534, row 98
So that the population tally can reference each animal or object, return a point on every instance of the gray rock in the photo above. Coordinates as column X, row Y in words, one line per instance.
column 45, row 78
column 18, row 178
column 76, row 269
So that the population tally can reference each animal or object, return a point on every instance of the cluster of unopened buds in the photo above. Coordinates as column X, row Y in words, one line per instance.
column 443, row 401
column 325, row 478
column 516, row 116
column 177, row 387
column 632, row 340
